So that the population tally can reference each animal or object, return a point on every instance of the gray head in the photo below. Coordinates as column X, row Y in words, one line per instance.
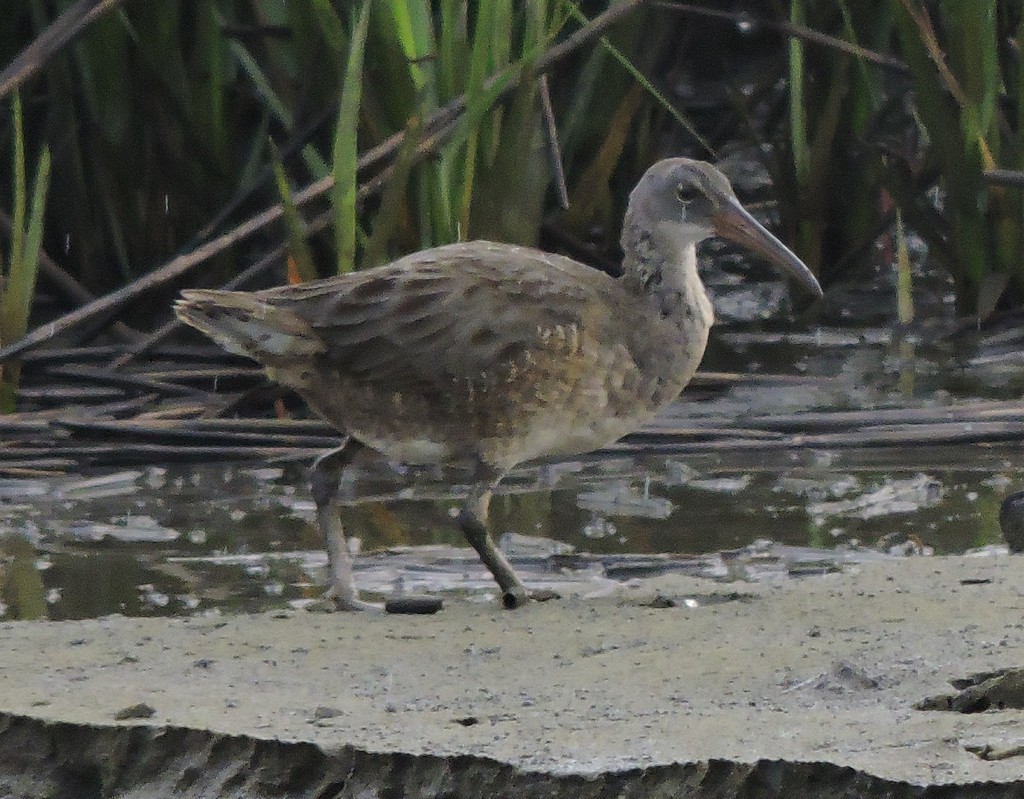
column 686, row 201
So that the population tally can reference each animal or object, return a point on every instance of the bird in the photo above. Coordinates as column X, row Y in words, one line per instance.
column 490, row 355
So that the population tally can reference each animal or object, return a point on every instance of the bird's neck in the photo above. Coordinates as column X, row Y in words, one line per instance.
column 663, row 267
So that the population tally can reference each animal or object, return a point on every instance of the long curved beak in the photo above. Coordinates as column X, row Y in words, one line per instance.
column 732, row 221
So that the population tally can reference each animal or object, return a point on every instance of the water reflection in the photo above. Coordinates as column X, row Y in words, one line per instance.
column 164, row 541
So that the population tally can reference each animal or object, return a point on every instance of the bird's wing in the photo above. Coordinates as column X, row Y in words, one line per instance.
column 454, row 313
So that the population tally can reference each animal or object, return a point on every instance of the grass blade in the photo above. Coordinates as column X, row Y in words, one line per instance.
column 20, row 188
column 19, row 289
column 298, row 247
column 313, row 160
column 642, row 79
column 904, row 284
column 329, row 24
column 591, row 198
column 345, row 154
column 393, row 206
column 476, row 108
column 797, row 120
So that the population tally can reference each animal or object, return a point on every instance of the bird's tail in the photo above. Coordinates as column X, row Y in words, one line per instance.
column 244, row 324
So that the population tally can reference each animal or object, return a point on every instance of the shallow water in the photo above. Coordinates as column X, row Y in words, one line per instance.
column 218, row 537
column 184, row 540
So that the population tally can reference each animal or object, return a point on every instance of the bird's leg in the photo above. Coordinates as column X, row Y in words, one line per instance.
column 473, row 523
column 341, row 585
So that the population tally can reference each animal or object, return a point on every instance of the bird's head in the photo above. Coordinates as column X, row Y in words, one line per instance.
column 686, row 201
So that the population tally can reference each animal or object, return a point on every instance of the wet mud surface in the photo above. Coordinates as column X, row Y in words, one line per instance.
column 786, row 686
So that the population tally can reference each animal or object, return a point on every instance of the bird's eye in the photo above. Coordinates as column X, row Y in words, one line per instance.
column 685, row 193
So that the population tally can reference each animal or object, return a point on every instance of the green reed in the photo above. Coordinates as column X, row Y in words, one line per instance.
column 958, row 78
column 865, row 141
column 17, row 288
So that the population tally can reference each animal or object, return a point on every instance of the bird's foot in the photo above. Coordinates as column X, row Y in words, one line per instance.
column 347, row 600
column 516, row 596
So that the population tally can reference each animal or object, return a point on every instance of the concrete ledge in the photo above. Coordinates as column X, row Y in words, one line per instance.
column 790, row 689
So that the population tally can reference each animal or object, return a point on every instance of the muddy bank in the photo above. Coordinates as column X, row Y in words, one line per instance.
column 796, row 688
column 45, row 759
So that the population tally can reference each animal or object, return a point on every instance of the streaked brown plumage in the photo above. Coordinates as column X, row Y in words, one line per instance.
column 494, row 354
